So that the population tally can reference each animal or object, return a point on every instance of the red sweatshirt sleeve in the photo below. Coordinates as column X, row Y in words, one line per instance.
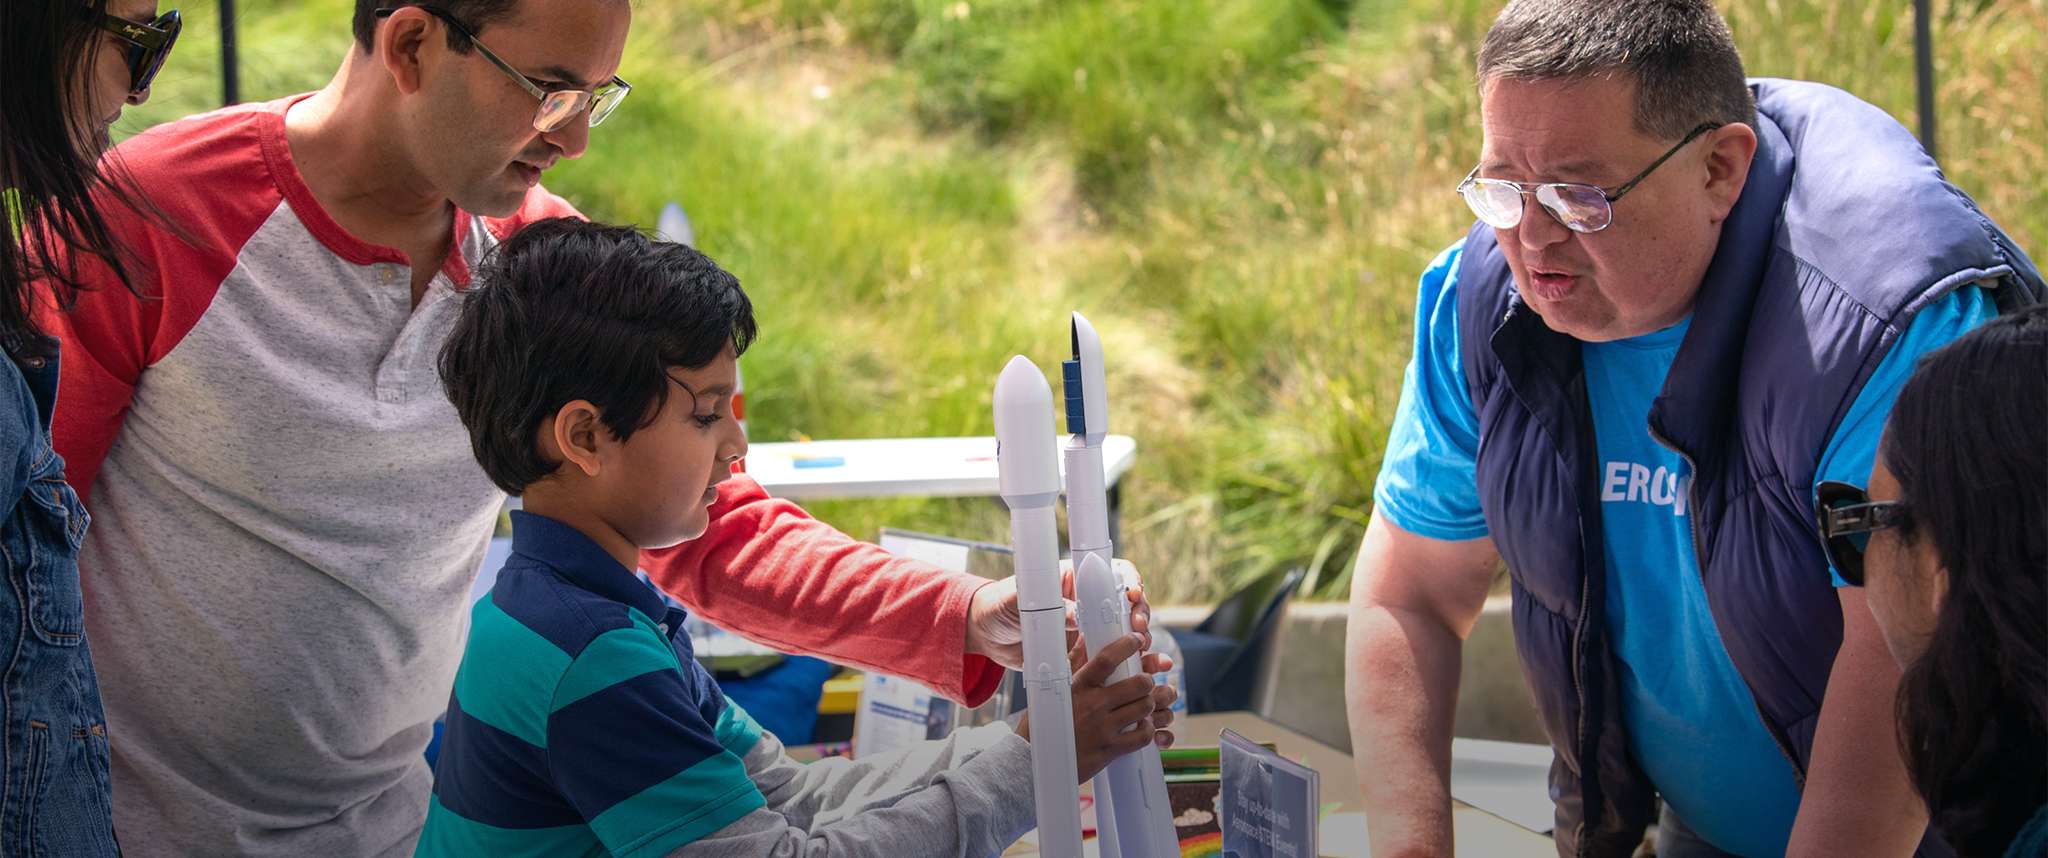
column 205, row 182
column 767, row 570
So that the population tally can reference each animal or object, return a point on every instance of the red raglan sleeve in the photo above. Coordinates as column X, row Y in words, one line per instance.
column 203, row 182
column 767, row 570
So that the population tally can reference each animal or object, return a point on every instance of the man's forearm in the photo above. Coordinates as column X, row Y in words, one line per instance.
column 1401, row 685
column 1858, row 800
column 766, row 570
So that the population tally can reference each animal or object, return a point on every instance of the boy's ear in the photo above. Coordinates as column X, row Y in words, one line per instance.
column 574, row 434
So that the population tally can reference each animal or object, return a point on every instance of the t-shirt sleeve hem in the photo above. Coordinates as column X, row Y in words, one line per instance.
column 1390, row 509
column 712, row 817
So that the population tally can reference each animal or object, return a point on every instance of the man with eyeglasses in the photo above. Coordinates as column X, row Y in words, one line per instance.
column 277, row 606
column 1689, row 299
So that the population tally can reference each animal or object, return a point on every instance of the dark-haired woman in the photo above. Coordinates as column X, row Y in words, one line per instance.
column 1952, row 542
column 67, row 68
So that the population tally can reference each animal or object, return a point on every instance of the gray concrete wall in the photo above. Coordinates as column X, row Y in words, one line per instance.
column 1301, row 683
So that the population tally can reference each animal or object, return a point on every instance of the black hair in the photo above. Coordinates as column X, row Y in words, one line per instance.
column 568, row 310
column 474, row 14
column 51, row 178
column 1966, row 442
column 1679, row 53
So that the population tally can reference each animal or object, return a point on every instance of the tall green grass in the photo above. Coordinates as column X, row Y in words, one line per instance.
column 1238, row 192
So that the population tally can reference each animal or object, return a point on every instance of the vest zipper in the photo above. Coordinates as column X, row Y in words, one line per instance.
column 1589, row 755
column 1588, row 763
column 1699, row 560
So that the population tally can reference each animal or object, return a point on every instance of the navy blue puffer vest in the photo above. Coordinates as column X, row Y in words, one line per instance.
column 1844, row 231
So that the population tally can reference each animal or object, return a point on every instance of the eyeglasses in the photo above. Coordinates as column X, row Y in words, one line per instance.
column 557, row 106
column 1579, row 206
column 1847, row 516
column 148, row 45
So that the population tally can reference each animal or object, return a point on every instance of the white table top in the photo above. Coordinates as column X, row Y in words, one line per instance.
column 898, row 467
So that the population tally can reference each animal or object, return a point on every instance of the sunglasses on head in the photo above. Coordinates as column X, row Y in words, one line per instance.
column 1847, row 517
column 148, row 45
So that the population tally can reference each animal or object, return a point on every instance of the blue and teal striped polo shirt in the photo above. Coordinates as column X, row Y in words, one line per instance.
column 580, row 723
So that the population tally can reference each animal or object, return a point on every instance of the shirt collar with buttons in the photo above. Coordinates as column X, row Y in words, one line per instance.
column 582, row 562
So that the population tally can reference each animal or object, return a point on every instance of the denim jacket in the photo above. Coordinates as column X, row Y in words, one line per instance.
column 54, row 799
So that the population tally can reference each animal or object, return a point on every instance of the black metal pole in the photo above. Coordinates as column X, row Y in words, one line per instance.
column 1923, row 71
column 230, row 77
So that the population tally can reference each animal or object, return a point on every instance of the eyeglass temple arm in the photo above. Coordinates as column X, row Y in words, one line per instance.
column 139, row 35
column 520, row 77
column 517, row 76
column 1639, row 177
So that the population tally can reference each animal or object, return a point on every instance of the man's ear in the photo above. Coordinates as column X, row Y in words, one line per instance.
column 401, row 40
column 1730, row 148
column 574, row 435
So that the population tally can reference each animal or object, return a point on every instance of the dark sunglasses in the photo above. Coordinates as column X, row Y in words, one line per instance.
column 148, row 45
column 1847, row 517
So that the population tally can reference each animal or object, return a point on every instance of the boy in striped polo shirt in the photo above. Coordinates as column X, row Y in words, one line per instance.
column 593, row 369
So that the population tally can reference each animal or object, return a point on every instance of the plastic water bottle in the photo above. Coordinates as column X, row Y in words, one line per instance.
column 1162, row 642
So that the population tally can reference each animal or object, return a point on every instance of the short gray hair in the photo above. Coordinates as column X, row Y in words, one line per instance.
column 1679, row 53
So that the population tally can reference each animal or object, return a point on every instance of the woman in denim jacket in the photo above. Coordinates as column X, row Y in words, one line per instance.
column 67, row 67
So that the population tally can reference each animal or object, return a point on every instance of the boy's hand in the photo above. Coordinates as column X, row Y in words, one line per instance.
column 996, row 630
column 1116, row 719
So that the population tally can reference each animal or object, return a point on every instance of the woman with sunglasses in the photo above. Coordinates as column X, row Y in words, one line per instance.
column 67, row 68
column 1951, row 540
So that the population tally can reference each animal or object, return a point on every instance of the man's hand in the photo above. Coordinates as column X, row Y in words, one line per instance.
column 995, row 629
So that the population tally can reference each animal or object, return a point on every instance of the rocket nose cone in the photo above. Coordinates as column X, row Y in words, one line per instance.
column 1080, row 332
column 1022, row 383
column 1093, row 581
column 1026, row 459
column 1093, row 565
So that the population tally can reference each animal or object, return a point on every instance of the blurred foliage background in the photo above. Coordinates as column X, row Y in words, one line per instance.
column 1239, row 193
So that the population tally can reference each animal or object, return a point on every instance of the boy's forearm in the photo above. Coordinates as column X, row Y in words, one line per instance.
column 969, row 795
column 835, row 788
column 766, row 570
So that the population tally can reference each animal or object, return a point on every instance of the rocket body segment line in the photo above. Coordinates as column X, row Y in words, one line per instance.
column 1087, row 501
column 1030, row 485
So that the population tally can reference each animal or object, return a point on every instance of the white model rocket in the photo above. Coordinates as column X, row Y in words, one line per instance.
column 1030, row 485
column 1132, row 814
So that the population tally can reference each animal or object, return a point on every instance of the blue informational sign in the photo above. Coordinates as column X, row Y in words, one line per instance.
column 1270, row 803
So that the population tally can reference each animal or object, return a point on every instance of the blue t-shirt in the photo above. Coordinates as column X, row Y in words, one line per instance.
column 1681, row 695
